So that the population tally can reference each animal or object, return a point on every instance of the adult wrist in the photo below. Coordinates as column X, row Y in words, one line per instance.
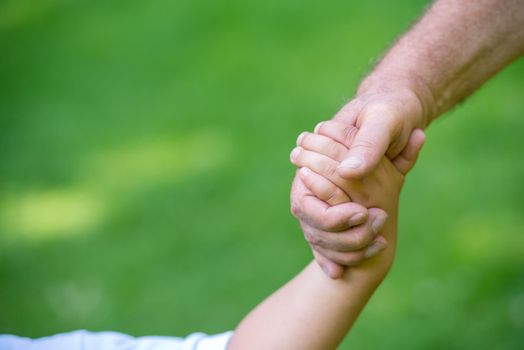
column 414, row 93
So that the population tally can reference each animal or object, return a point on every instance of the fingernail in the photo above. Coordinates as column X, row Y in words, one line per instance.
column 305, row 172
column 374, row 249
column 318, row 127
column 326, row 271
column 351, row 162
column 356, row 219
column 300, row 138
column 294, row 154
column 378, row 223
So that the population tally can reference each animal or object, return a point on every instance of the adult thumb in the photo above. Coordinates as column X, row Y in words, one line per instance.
column 369, row 146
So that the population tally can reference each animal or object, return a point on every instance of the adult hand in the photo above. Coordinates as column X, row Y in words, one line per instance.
column 383, row 119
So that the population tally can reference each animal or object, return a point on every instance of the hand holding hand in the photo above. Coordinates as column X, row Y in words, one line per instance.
column 382, row 120
column 343, row 233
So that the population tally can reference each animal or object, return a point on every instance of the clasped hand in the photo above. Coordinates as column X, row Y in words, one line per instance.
column 343, row 220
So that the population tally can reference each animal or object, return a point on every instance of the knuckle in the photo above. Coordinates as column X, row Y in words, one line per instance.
column 331, row 195
column 361, row 240
column 318, row 187
column 337, row 196
column 295, row 210
column 326, row 196
column 311, row 238
column 346, row 245
column 308, row 237
column 333, row 149
column 330, row 170
column 348, row 134
column 358, row 242
column 332, row 223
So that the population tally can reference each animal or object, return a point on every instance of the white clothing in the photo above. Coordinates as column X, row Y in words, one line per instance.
column 84, row 340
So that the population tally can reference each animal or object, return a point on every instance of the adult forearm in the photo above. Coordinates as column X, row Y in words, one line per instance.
column 454, row 48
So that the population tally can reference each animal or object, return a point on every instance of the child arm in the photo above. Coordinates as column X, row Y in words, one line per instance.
column 312, row 311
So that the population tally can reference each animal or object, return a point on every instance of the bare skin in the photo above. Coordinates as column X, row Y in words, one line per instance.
column 454, row 48
column 313, row 312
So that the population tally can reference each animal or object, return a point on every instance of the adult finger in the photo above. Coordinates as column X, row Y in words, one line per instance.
column 408, row 157
column 369, row 146
column 355, row 238
column 309, row 209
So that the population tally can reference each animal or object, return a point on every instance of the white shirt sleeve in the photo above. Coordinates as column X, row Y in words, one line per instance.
column 84, row 340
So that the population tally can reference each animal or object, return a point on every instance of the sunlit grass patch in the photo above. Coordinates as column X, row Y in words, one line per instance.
column 156, row 161
column 486, row 238
column 103, row 177
column 50, row 213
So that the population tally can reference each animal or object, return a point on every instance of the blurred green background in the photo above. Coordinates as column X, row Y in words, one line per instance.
column 144, row 172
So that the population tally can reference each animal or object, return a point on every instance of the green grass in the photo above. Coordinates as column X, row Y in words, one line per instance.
column 144, row 177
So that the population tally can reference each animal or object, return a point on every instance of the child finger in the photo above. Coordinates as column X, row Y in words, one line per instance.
column 340, row 132
column 318, row 163
column 323, row 145
column 322, row 187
